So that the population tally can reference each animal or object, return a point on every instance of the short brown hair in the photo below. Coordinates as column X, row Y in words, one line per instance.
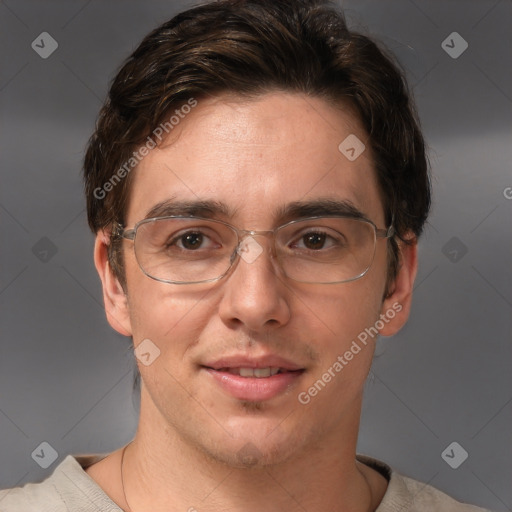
column 248, row 48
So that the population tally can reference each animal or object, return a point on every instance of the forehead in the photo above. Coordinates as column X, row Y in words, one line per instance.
column 255, row 157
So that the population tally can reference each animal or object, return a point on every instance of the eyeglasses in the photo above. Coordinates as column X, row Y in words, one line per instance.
column 190, row 250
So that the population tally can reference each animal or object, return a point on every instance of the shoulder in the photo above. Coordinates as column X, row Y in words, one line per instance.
column 405, row 494
column 30, row 497
column 423, row 497
column 67, row 489
column 34, row 496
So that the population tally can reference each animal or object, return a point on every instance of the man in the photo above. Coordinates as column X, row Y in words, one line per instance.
column 257, row 183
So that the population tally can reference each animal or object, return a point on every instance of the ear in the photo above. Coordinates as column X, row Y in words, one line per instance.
column 114, row 297
column 396, row 306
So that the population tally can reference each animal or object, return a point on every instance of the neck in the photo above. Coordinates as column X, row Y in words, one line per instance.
column 163, row 472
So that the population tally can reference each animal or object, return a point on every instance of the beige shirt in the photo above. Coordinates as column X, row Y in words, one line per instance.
column 71, row 489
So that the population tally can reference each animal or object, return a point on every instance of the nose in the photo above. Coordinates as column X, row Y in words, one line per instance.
column 254, row 293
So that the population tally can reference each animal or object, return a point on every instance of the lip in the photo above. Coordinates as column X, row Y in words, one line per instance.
column 253, row 388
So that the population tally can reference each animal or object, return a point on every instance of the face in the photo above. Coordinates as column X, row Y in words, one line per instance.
column 256, row 157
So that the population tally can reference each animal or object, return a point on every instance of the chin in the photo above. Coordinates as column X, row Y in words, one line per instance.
column 251, row 455
column 255, row 443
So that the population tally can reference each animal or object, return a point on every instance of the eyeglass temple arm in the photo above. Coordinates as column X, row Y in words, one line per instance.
column 385, row 233
column 118, row 231
column 388, row 232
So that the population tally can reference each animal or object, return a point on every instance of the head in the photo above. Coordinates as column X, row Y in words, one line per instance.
column 245, row 103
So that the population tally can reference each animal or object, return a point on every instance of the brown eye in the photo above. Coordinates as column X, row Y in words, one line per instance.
column 314, row 240
column 191, row 240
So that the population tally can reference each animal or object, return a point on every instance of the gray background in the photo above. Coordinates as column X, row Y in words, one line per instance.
column 66, row 378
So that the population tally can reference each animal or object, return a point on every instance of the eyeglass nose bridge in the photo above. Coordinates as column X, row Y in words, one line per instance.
column 251, row 232
column 250, row 251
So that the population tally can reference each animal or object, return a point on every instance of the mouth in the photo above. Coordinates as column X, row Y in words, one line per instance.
column 254, row 380
column 258, row 373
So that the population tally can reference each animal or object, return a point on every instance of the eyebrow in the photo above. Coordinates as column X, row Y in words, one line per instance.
column 321, row 207
column 198, row 208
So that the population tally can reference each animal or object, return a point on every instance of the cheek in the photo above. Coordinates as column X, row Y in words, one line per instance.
column 166, row 317
column 160, row 312
column 173, row 325
column 340, row 311
column 341, row 320
column 342, row 324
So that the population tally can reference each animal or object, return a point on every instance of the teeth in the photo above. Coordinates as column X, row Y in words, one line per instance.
column 262, row 372
column 255, row 372
column 246, row 372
